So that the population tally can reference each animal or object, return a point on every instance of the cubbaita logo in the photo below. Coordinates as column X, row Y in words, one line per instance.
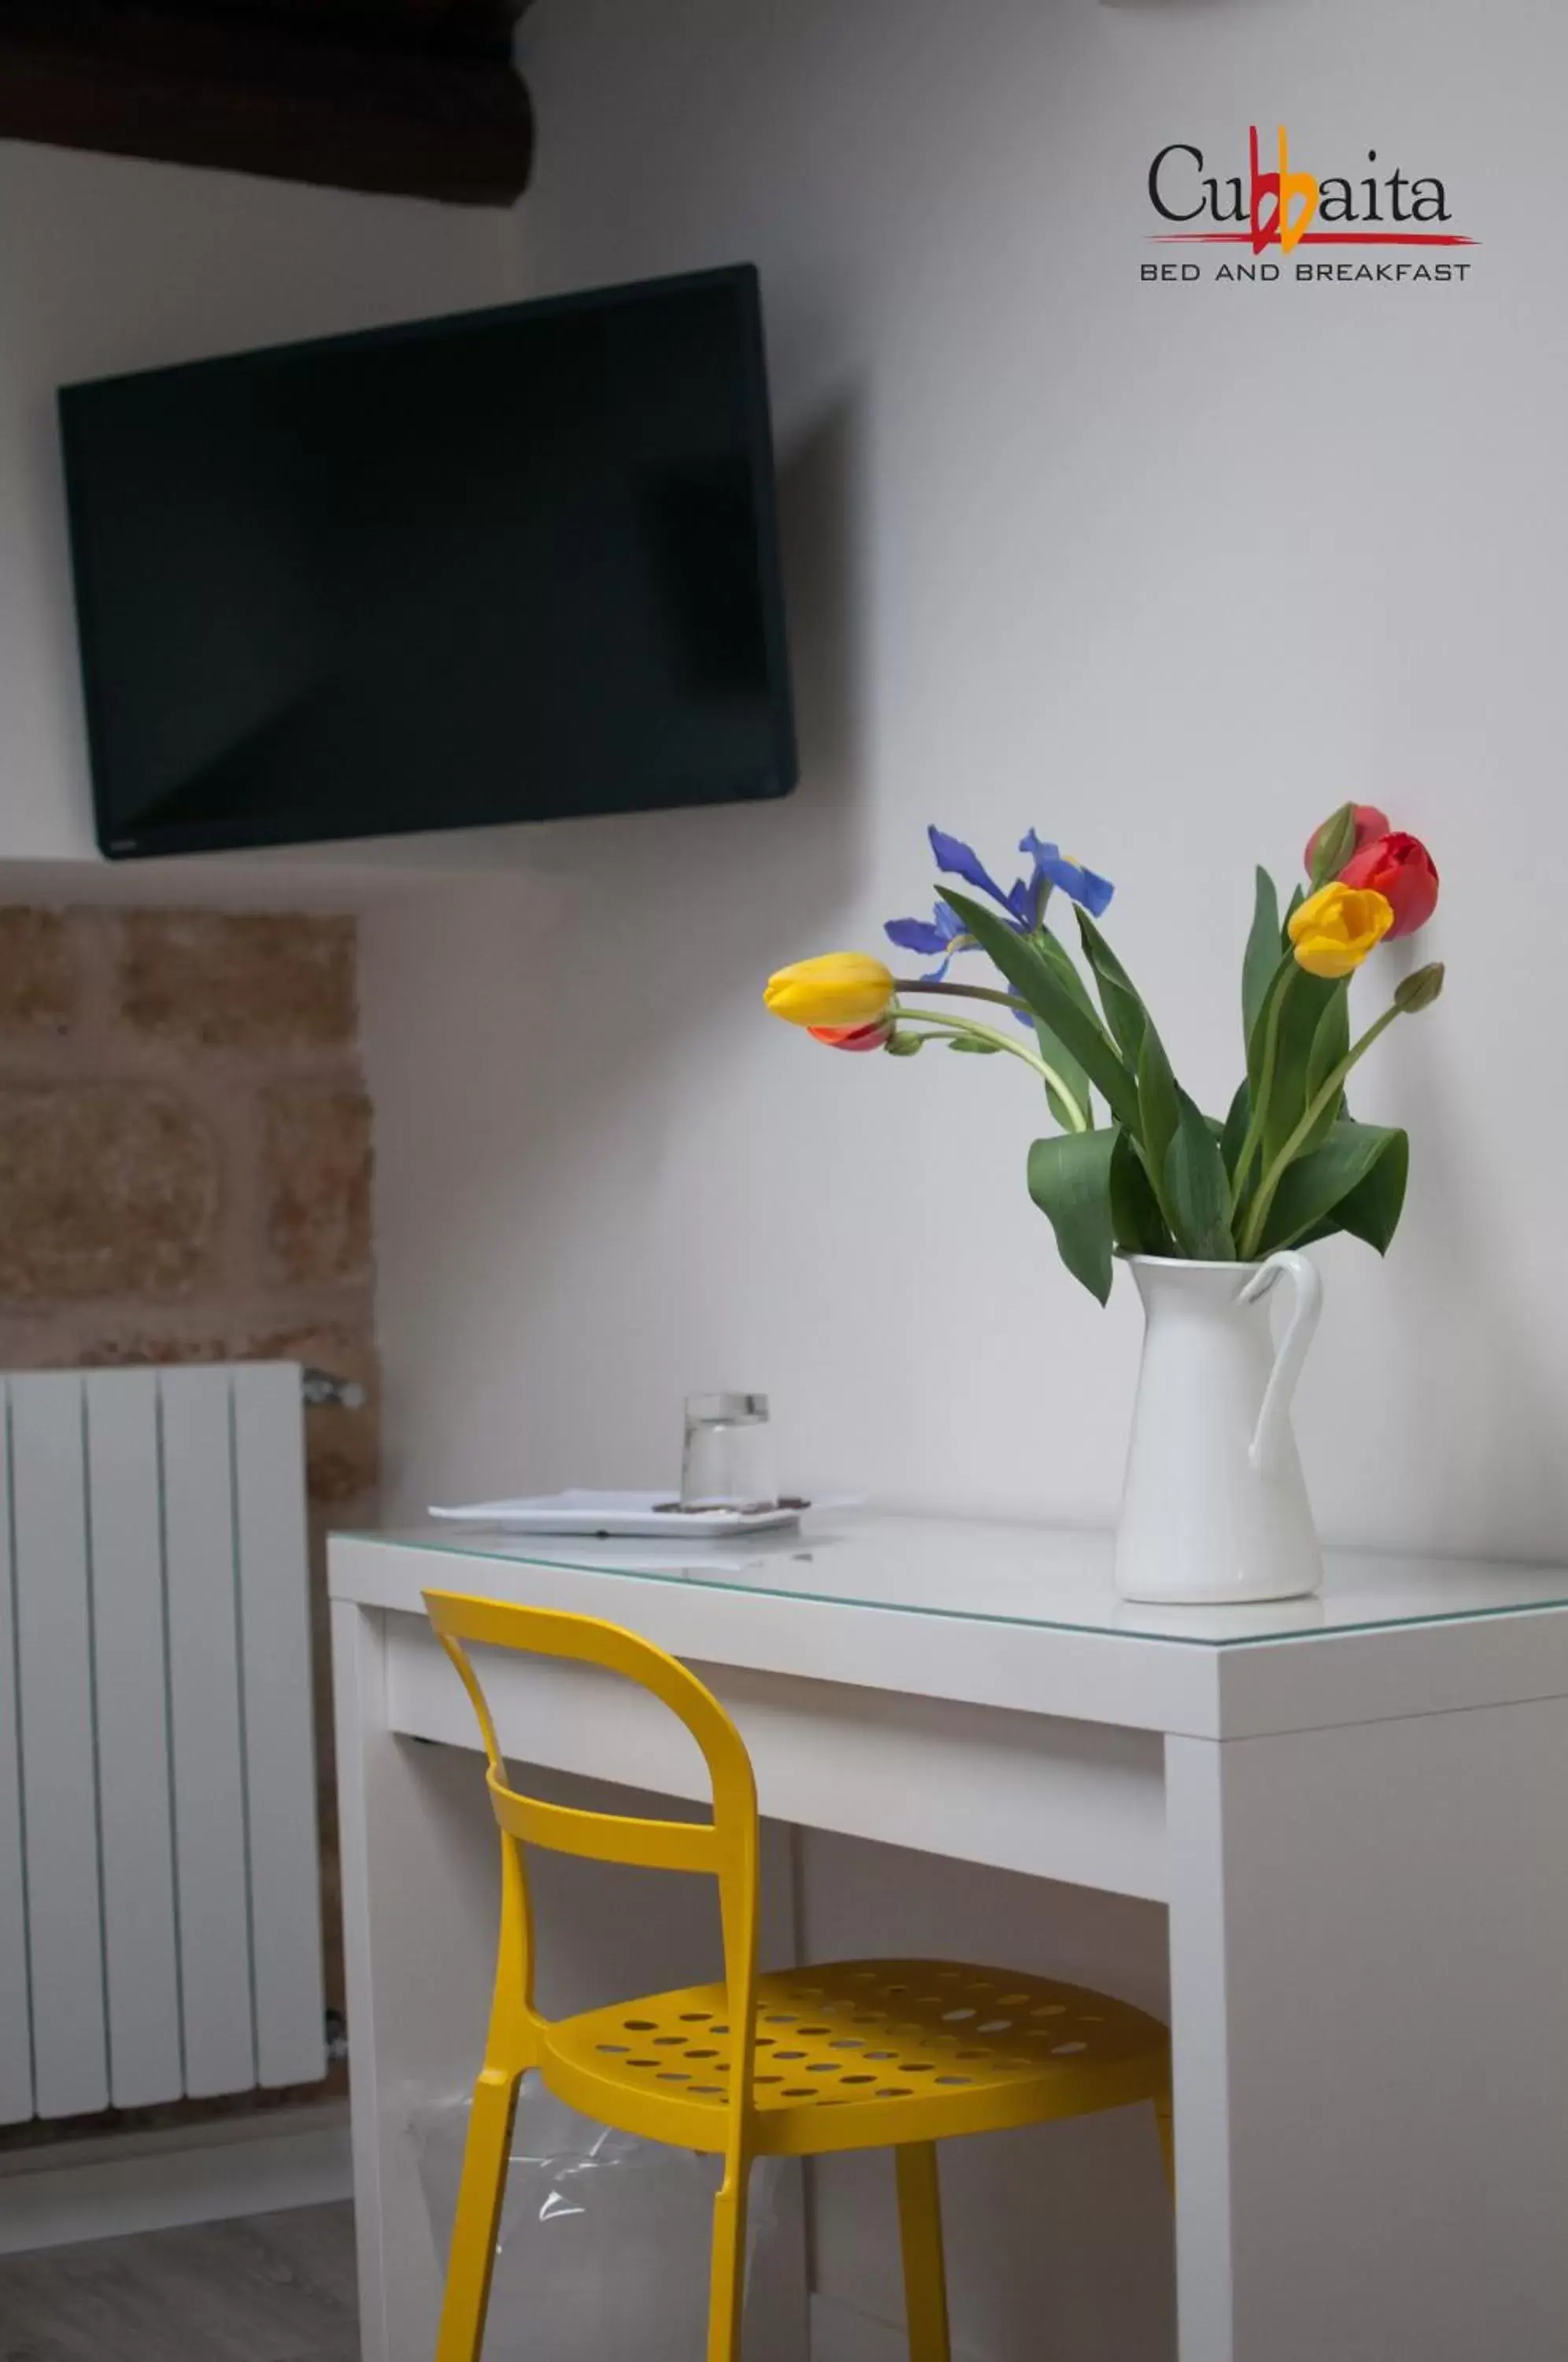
column 1283, row 208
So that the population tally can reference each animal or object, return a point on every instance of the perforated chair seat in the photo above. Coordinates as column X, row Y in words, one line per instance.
column 860, row 2054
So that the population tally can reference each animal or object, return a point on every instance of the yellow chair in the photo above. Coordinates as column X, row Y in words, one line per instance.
column 860, row 2055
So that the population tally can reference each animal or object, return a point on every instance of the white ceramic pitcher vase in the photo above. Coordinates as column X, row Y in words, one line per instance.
column 1215, row 1507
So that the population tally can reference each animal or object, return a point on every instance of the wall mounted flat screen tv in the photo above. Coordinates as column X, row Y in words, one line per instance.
column 518, row 565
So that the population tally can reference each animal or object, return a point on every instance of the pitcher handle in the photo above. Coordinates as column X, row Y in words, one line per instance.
column 1274, row 1420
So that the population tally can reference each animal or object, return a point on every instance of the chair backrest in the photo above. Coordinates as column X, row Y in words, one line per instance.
column 724, row 1848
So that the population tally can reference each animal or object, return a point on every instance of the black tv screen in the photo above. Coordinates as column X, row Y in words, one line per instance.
column 517, row 565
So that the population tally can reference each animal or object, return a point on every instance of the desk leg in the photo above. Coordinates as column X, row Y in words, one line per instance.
column 419, row 1926
column 1369, row 1958
column 358, row 1694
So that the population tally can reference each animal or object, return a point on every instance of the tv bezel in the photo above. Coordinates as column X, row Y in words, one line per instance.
column 775, row 780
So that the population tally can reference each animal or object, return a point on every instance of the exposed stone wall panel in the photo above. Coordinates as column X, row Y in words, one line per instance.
column 38, row 983
column 246, row 981
column 105, row 1189
column 315, row 1169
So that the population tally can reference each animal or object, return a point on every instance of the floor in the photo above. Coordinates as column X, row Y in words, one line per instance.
column 266, row 2288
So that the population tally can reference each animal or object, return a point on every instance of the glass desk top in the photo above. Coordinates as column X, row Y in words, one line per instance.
column 1054, row 1577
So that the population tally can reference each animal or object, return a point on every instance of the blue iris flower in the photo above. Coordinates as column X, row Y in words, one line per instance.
column 1081, row 885
column 935, row 938
column 941, row 935
column 957, row 859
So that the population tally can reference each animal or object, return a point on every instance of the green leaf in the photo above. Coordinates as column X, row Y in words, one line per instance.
column 1056, row 953
column 1236, row 1124
column 907, row 1046
column 1196, row 1192
column 1372, row 1209
column 1119, row 997
column 1056, row 1051
column 1135, row 1218
column 1034, row 978
column 1304, row 999
column 1331, row 1037
column 971, row 1048
column 1330, row 1046
column 1355, row 1182
column 1261, row 957
column 1286, row 972
column 1138, row 1037
column 1159, row 1104
column 1061, row 1063
column 1069, row 1180
column 1297, row 899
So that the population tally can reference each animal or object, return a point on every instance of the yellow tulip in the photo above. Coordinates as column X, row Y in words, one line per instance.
column 1335, row 928
column 841, row 988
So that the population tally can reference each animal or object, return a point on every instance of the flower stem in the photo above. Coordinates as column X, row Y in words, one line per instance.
column 1076, row 1118
column 1323, row 1099
column 1259, row 1116
column 962, row 992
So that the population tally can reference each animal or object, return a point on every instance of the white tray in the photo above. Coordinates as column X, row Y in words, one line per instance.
column 580, row 1512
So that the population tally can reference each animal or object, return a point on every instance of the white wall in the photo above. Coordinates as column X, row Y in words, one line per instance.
column 1163, row 571
column 107, row 264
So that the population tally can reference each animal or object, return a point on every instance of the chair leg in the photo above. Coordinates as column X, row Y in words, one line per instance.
column 925, row 2271
column 478, row 2220
column 1164, row 2117
column 727, row 2290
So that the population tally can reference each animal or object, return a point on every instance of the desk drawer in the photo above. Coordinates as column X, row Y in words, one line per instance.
column 1079, row 1801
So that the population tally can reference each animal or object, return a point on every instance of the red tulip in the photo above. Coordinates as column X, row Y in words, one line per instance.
column 874, row 1036
column 1400, row 867
column 1369, row 823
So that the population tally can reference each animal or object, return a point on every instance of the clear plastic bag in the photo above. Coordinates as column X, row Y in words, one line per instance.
column 605, row 2243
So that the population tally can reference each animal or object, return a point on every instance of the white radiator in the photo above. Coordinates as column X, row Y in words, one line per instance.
column 160, row 1896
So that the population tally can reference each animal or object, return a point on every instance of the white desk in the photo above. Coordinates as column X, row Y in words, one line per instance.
column 1356, row 1809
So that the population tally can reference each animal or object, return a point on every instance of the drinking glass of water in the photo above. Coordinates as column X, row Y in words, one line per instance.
column 728, row 1459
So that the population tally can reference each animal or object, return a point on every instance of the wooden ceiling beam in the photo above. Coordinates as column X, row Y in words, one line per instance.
column 239, row 89
column 483, row 28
